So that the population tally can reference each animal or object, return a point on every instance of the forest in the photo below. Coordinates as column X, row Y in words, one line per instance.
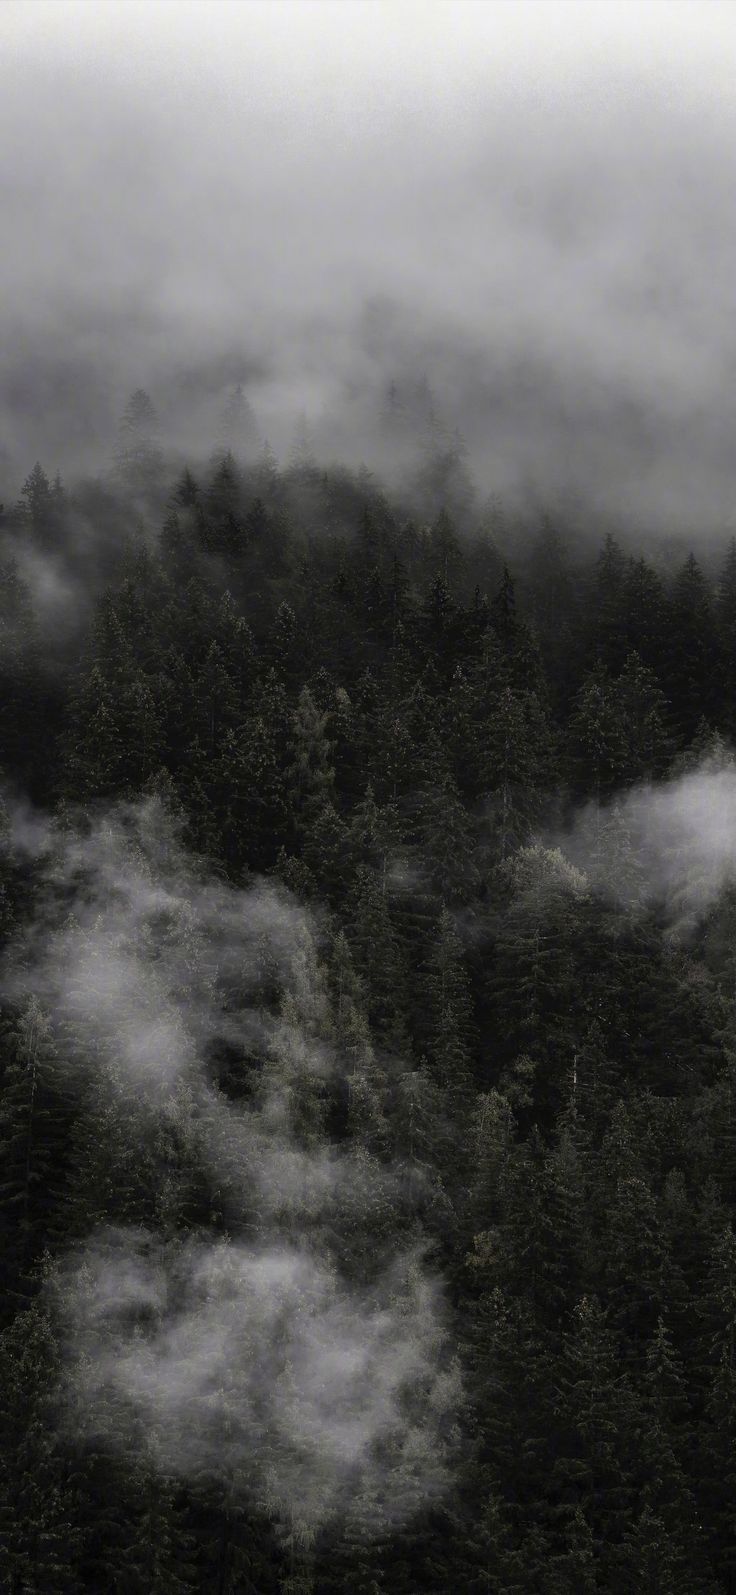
column 368, row 1109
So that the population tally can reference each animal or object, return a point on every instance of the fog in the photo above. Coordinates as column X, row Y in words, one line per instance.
column 671, row 847
column 294, row 1363
column 529, row 205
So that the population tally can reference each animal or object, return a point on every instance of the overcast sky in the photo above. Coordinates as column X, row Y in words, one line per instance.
column 546, row 191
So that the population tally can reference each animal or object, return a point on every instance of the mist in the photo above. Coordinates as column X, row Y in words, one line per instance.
column 670, row 846
column 527, row 206
column 319, row 1389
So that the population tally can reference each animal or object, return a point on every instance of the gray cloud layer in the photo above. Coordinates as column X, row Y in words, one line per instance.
column 544, row 192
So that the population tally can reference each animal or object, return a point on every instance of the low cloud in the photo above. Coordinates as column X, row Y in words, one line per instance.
column 672, row 846
column 283, row 1355
column 530, row 205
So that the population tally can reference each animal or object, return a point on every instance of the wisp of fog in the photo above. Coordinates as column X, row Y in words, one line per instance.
column 672, row 845
column 265, row 1353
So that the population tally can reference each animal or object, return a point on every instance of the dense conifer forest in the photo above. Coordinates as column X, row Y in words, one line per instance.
column 368, row 1113
column 367, row 797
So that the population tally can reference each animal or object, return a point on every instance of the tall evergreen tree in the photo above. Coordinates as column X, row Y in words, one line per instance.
column 693, row 654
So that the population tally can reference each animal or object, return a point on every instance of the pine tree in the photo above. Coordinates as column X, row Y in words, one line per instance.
column 238, row 430
column 43, row 507
column 35, row 1116
column 693, row 656
column 644, row 712
column 217, row 702
column 116, row 741
column 492, row 1561
column 375, row 948
column 717, row 1310
column 374, row 836
column 252, row 778
column 448, row 1012
column 725, row 611
column 506, row 762
column 607, row 642
column 40, row 1532
column 24, row 740
column 597, row 737
column 310, row 774
column 595, row 1445
column 445, row 551
column 139, row 460
column 326, row 851
column 574, row 1571
column 534, row 982
column 666, row 1450
column 363, row 1082
column 223, row 522
column 445, row 841
column 239, row 653
column 634, row 1262
column 646, row 617
column 554, row 606
column 284, row 648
